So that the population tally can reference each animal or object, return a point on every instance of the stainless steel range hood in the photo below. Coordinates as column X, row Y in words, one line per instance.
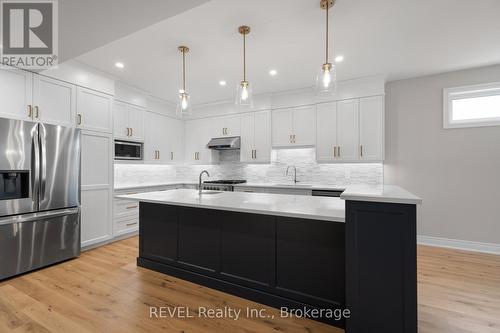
column 231, row 143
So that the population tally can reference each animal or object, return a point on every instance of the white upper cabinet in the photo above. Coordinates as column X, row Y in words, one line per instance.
column 94, row 111
column 351, row 130
column 198, row 133
column 294, row 127
column 226, row 126
column 304, row 126
column 326, row 127
column 371, row 128
column 256, row 137
column 54, row 101
column 163, row 139
column 282, row 122
column 128, row 122
column 348, row 130
column 16, row 94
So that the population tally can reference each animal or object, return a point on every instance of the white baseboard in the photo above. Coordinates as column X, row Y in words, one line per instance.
column 459, row 244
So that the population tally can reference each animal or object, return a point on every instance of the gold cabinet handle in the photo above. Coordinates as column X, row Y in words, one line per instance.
column 131, row 224
column 290, row 138
column 30, row 111
column 36, row 112
column 130, row 193
column 361, row 150
column 79, row 118
column 128, row 131
column 255, row 153
column 172, row 155
column 334, row 151
column 131, row 131
column 294, row 138
column 338, row 151
column 158, row 154
column 132, row 207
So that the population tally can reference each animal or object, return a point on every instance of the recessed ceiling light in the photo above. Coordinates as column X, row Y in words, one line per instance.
column 222, row 82
column 119, row 65
column 273, row 72
column 339, row 58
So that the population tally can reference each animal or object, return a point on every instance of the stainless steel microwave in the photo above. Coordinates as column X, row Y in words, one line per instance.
column 126, row 150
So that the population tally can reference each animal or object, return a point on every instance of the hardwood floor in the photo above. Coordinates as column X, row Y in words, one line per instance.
column 104, row 291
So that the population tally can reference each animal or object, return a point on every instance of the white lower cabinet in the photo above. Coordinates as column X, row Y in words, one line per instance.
column 97, row 187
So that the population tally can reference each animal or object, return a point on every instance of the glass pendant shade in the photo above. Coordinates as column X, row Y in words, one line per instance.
column 244, row 94
column 326, row 82
column 183, row 105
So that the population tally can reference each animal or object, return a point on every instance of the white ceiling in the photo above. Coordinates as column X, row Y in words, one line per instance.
column 395, row 38
column 87, row 24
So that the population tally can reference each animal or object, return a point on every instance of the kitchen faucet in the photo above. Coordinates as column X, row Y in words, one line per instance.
column 294, row 173
column 200, row 188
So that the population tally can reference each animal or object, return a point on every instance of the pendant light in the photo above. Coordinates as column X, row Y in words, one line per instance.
column 326, row 81
column 184, row 104
column 244, row 90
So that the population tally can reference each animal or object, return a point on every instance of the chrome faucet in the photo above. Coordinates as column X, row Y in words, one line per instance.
column 200, row 188
column 294, row 173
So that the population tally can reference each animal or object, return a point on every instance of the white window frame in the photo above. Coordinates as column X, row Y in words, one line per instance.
column 478, row 90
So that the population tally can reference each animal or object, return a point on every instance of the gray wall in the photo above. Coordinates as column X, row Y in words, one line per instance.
column 455, row 171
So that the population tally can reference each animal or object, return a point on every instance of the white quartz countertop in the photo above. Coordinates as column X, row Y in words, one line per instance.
column 297, row 186
column 172, row 183
column 298, row 206
column 380, row 193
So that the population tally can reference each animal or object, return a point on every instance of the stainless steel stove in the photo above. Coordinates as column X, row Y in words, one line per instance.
column 221, row 185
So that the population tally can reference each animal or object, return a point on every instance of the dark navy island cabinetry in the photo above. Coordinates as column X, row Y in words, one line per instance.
column 278, row 261
column 297, row 252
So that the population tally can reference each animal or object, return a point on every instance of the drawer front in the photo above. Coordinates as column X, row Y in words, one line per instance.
column 126, row 225
column 126, row 207
column 289, row 191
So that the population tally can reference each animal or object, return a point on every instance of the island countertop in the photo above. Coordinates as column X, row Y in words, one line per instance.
column 298, row 206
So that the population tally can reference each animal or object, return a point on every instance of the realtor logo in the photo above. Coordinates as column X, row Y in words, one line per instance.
column 29, row 33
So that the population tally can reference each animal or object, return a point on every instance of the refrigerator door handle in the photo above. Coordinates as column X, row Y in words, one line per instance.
column 38, row 216
column 35, row 167
column 43, row 164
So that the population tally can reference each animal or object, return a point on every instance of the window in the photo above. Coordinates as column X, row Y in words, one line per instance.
column 472, row 106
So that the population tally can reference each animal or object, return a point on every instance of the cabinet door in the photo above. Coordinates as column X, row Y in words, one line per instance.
column 262, row 137
column 96, row 216
column 282, row 127
column 232, row 126
column 120, row 121
column 304, row 126
column 97, row 187
column 371, row 128
column 15, row 93
column 348, row 130
column 136, row 123
column 150, row 141
column 178, row 141
column 191, row 141
column 94, row 111
column 204, row 132
column 326, row 131
column 54, row 100
column 162, row 138
column 247, row 137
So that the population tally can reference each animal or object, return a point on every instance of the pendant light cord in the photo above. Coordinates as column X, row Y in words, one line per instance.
column 184, row 71
column 327, row 10
column 244, row 58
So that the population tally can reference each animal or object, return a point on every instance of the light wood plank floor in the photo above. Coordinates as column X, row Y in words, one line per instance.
column 104, row 291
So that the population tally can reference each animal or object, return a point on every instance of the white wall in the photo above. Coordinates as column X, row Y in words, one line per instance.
column 455, row 171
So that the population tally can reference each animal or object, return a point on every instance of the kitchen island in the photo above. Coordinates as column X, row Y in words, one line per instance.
column 287, row 251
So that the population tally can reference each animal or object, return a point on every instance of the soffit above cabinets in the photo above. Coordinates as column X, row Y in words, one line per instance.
column 397, row 39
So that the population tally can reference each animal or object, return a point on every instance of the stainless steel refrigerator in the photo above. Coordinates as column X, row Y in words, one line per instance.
column 39, row 195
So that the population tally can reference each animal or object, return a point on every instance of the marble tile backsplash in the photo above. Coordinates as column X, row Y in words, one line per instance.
column 308, row 170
